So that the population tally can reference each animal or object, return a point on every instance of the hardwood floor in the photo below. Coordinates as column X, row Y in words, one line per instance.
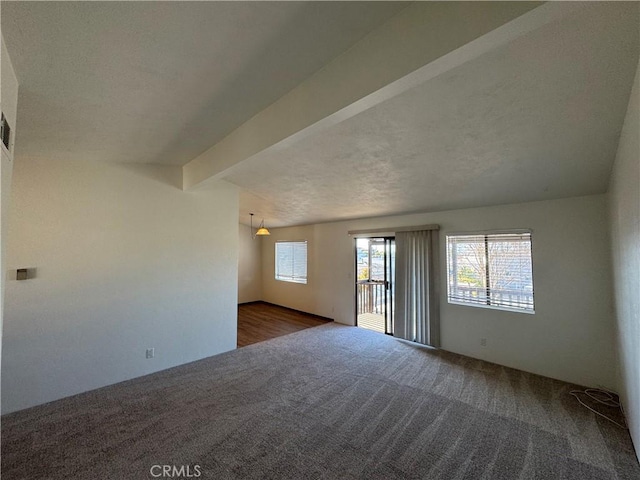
column 261, row 321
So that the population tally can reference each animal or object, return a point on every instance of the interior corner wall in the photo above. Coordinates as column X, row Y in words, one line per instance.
column 9, row 106
column 624, row 201
column 249, row 266
column 124, row 261
column 571, row 335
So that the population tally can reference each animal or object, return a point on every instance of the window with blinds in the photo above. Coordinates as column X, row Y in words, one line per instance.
column 492, row 270
column 291, row 261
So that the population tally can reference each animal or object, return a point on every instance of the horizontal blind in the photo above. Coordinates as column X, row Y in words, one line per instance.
column 291, row 261
column 491, row 270
column 510, row 272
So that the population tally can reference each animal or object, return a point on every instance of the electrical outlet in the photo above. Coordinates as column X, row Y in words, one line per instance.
column 483, row 342
column 150, row 352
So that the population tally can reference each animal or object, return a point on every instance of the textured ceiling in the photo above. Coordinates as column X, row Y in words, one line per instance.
column 159, row 82
column 535, row 120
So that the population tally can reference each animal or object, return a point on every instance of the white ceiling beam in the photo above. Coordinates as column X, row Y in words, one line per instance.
column 423, row 41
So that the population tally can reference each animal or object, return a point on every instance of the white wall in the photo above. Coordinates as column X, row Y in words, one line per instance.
column 249, row 266
column 625, row 232
column 570, row 337
column 9, row 106
column 125, row 261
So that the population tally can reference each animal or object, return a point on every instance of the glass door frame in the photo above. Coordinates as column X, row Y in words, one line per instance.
column 388, row 243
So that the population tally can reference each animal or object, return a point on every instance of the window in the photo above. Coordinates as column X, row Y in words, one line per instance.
column 492, row 270
column 291, row 261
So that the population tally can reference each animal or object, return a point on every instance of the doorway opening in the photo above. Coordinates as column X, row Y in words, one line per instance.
column 375, row 283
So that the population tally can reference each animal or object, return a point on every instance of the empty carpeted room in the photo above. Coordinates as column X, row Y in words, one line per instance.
column 364, row 240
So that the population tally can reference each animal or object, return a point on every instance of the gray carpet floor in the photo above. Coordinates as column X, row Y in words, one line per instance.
column 329, row 402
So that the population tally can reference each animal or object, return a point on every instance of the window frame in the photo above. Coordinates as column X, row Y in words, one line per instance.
column 292, row 278
column 489, row 233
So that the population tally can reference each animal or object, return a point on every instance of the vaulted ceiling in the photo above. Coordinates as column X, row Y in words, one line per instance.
column 321, row 111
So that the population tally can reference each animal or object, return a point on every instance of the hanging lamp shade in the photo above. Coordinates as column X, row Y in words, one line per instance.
column 261, row 229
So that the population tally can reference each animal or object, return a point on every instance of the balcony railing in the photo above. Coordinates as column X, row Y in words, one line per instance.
column 371, row 296
column 499, row 297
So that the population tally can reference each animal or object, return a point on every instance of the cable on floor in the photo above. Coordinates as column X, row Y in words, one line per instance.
column 602, row 396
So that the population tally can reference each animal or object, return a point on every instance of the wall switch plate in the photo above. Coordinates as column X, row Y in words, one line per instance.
column 150, row 352
column 483, row 342
column 21, row 274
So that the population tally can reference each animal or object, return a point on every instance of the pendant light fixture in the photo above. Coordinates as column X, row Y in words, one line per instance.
column 262, row 230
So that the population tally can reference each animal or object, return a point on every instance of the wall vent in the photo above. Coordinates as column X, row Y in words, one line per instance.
column 5, row 133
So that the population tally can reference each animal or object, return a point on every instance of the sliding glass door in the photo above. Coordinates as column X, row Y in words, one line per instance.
column 375, row 280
